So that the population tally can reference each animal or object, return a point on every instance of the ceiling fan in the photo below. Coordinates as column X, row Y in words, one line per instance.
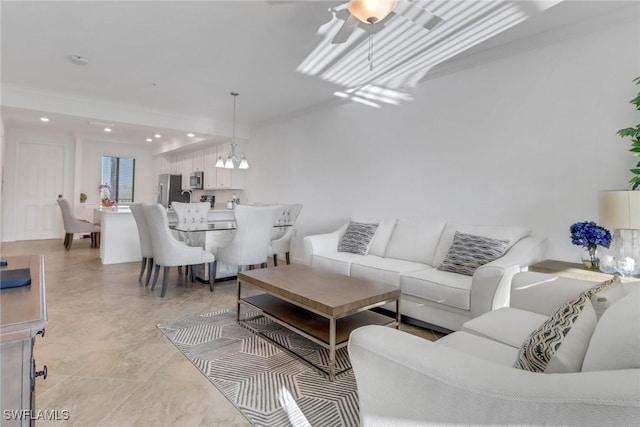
column 373, row 11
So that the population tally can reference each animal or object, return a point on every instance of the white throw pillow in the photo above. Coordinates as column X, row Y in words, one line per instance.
column 512, row 234
column 560, row 343
column 615, row 343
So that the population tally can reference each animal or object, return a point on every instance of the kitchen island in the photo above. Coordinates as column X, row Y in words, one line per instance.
column 119, row 240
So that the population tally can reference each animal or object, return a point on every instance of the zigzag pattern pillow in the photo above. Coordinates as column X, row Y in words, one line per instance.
column 468, row 252
column 560, row 343
column 357, row 238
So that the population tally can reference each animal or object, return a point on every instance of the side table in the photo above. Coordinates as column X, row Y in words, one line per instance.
column 569, row 269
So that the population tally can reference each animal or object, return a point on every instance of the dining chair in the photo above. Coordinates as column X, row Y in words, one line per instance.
column 145, row 241
column 169, row 252
column 74, row 225
column 282, row 244
column 190, row 216
column 250, row 243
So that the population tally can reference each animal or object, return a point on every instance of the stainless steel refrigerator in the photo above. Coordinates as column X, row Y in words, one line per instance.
column 170, row 189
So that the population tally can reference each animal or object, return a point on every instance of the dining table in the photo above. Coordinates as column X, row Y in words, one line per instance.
column 212, row 235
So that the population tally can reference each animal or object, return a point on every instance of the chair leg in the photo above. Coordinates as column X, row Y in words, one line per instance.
column 69, row 241
column 98, row 237
column 263, row 265
column 287, row 257
column 143, row 265
column 149, row 268
column 66, row 237
column 156, row 272
column 213, row 268
column 193, row 273
column 275, row 260
column 165, row 281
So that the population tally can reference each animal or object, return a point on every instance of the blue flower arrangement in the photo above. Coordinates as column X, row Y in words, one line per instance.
column 590, row 235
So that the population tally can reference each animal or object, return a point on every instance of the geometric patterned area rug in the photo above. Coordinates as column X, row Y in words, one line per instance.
column 270, row 386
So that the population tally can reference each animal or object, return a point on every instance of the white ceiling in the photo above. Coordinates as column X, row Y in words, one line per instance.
column 169, row 66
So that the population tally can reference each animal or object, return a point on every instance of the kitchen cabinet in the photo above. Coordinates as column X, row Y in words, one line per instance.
column 197, row 160
column 210, row 170
column 232, row 179
column 183, row 167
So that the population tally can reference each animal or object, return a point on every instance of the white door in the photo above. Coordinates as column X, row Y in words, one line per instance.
column 39, row 181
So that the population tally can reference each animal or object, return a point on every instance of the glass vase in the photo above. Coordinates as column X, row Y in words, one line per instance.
column 590, row 258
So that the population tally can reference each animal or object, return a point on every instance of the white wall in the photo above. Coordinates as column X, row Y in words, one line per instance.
column 527, row 140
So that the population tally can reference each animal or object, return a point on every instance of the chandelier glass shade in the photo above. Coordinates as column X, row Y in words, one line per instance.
column 232, row 157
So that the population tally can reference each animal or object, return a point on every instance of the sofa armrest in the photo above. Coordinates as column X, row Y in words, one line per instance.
column 491, row 284
column 318, row 243
column 406, row 380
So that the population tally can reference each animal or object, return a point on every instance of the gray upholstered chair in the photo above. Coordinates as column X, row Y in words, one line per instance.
column 169, row 252
column 282, row 243
column 145, row 241
column 74, row 225
column 250, row 243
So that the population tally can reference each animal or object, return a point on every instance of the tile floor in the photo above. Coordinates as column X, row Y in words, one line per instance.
column 108, row 363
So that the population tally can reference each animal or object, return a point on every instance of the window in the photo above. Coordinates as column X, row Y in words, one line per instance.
column 119, row 173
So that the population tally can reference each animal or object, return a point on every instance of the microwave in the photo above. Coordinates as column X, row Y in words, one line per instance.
column 196, row 180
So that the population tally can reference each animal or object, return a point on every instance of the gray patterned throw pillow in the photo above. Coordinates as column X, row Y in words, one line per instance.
column 357, row 238
column 468, row 252
column 560, row 343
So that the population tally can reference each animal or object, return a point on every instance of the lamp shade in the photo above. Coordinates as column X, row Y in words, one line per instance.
column 364, row 10
column 619, row 209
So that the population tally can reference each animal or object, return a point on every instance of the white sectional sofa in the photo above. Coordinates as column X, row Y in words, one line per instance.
column 469, row 378
column 407, row 253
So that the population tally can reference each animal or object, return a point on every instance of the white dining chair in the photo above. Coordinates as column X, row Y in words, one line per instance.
column 191, row 215
column 282, row 244
column 169, row 252
column 74, row 225
column 145, row 241
column 250, row 243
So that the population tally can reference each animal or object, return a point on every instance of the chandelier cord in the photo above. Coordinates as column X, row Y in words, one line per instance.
column 370, row 57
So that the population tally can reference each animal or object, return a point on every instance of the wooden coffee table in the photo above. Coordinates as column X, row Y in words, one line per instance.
column 320, row 305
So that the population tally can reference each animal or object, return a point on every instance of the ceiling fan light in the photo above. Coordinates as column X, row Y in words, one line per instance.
column 365, row 10
column 229, row 163
column 220, row 163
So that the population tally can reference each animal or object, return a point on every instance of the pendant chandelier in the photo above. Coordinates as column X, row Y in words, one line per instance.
column 232, row 158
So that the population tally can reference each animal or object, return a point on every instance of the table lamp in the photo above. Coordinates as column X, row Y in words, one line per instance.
column 619, row 211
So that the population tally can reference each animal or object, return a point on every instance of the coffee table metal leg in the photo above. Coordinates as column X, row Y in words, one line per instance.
column 332, row 349
column 238, row 302
column 398, row 317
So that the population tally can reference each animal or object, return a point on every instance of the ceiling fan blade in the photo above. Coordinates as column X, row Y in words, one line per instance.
column 345, row 31
column 417, row 14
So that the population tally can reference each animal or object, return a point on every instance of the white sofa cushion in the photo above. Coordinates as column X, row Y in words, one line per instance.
column 615, row 343
column 382, row 236
column 384, row 270
column 338, row 262
column 512, row 234
column 442, row 287
column 490, row 350
column 415, row 240
column 560, row 343
column 510, row 326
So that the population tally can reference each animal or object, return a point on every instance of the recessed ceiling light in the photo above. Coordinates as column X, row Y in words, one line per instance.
column 78, row 59
column 44, row 119
column 149, row 139
column 107, row 129
column 191, row 135
column 157, row 135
